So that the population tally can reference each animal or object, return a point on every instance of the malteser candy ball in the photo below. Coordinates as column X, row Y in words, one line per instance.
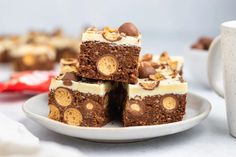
column 89, row 106
column 173, row 65
column 206, row 42
column 149, row 85
column 70, row 76
column 73, row 116
column 129, row 29
column 107, row 65
column 145, row 69
column 63, row 96
column 147, row 57
column 54, row 112
column 169, row 103
column 135, row 107
column 28, row 60
column 164, row 57
column 111, row 36
column 68, row 68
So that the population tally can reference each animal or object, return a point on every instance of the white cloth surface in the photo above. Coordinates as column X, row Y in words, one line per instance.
column 17, row 141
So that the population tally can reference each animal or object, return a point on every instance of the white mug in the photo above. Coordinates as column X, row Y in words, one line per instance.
column 222, row 70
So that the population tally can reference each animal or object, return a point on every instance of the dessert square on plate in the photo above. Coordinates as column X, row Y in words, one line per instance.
column 77, row 101
column 110, row 54
column 159, row 96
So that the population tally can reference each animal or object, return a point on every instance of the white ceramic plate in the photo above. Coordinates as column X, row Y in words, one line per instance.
column 198, row 109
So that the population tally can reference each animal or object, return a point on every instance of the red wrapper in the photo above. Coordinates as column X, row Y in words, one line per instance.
column 30, row 82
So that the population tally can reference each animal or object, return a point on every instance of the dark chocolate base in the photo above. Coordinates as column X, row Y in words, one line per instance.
column 39, row 64
column 152, row 111
column 4, row 57
column 126, row 56
column 96, row 117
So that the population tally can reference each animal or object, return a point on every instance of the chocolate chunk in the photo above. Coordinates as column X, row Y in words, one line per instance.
column 68, row 77
column 155, row 65
column 129, row 29
column 145, row 69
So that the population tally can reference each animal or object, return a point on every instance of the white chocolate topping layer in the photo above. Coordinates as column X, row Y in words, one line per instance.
column 9, row 43
column 171, row 84
column 167, row 86
column 83, row 87
column 34, row 50
column 91, row 35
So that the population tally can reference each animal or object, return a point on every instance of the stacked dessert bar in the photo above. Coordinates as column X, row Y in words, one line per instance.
column 110, row 79
column 76, row 101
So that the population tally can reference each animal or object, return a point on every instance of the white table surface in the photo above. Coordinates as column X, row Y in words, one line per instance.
column 209, row 138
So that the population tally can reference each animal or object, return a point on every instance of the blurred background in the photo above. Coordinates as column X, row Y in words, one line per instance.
column 165, row 24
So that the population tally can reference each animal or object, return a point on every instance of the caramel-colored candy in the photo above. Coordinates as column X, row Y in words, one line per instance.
column 157, row 77
column 91, row 105
column 169, row 102
column 147, row 57
column 54, row 112
column 173, row 65
column 68, row 65
column 149, row 85
column 164, row 57
column 107, row 65
column 73, row 116
column 29, row 60
column 63, row 96
column 111, row 35
column 135, row 108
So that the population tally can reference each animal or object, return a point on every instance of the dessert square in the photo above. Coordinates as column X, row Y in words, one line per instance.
column 7, row 43
column 110, row 54
column 79, row 102
column 33, row 57
column 159, row 97
column 65, row 47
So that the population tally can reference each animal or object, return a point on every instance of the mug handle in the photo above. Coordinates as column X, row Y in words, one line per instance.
column 214, row 62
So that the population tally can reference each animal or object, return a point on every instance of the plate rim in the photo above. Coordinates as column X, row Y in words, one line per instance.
column 201, row 116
